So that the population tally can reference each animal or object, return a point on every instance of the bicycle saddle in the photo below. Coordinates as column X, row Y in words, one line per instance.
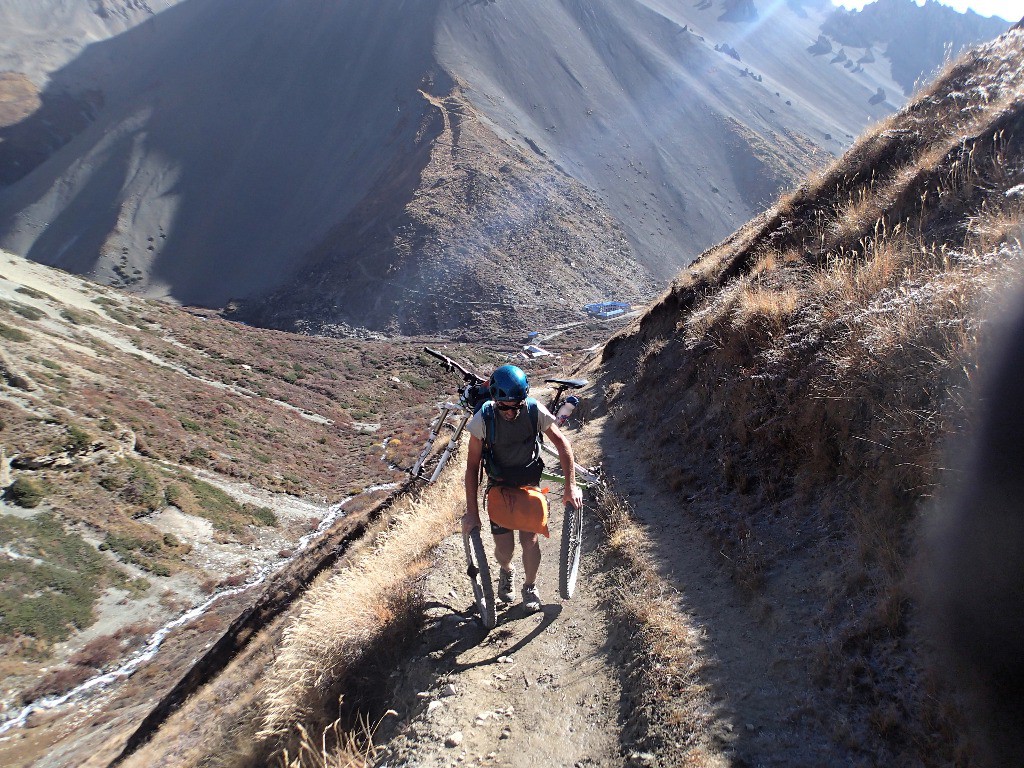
column 569, row 383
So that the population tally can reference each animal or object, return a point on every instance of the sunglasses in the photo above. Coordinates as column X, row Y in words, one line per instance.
column 507, row 407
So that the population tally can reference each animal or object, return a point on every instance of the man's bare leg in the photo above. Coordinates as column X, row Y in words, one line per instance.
column 530, row 543
column 504, row 546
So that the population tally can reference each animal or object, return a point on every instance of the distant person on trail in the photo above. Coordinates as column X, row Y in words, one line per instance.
column 504, row 442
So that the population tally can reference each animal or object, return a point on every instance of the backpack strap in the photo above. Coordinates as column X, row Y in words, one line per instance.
column 531, row 408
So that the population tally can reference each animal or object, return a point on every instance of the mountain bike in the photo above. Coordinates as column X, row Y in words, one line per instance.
column 472, row 395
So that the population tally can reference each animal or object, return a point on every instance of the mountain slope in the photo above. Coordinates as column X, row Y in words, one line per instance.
column 811, row 374
column 414, row 166
column 227, row 153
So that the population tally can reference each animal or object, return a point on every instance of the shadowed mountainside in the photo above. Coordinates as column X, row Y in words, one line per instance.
column 810, row 374
column 227, row 153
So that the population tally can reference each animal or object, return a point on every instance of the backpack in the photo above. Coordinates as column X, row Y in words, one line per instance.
column 517, row 476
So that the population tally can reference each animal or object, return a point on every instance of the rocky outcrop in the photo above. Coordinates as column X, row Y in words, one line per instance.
column 820, row 46
column 916, row 39
column 738, row 10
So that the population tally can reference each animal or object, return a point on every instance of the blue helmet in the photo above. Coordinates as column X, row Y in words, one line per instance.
column 508, row 383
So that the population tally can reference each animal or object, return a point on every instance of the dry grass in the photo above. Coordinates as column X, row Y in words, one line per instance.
column 672, row 708
column 343, row 615
column 337, row 747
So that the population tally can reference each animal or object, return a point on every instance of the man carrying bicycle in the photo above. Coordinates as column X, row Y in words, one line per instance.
column 505, row 443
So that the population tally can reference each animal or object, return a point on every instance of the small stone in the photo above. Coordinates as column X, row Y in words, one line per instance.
column 434, row 705
column 750, row 728
column 449, row 690
column 423, row 695
column 642, row 757
column 506, row 733
column 454, row 740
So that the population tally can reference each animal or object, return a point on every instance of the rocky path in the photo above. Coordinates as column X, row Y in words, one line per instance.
column 538, row 689
column 755, row 693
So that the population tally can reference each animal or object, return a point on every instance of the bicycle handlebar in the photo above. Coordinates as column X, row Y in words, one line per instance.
column 451, row 365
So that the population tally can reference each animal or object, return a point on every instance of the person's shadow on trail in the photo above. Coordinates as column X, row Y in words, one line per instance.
column 473, row 634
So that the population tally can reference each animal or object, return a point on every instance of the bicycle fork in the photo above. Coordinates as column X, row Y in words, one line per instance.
column 435, row 431
column 452, row 446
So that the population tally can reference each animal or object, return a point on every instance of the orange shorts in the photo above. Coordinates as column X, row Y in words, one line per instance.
column 518, row 509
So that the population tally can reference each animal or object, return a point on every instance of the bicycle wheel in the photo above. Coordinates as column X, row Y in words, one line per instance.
column 569, row 556
column 479, row 573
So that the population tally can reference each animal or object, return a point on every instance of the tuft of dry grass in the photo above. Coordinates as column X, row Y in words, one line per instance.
column 342, row 615
column 337, row 747
column 766, row 306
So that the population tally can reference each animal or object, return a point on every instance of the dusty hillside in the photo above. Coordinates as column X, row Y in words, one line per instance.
column 171, row 483
column 154, row 459
column 212, row 154
column 806, row 375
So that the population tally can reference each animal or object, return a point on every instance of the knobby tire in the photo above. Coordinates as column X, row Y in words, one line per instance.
column 569, row 555
column 479, row 572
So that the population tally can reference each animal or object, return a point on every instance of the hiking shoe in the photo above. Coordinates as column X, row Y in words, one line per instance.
column 531, row 598
column 505, row 588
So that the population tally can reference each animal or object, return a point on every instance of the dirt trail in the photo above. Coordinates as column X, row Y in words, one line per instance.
column 538, row 689
column 754, row 665
column 549, row 689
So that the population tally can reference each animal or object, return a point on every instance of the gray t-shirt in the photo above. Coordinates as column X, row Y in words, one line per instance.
column 513, row 440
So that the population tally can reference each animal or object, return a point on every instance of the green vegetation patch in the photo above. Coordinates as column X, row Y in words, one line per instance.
column 141, row 486
column 25, row 492
column 78, row 440
column 26, row 311
column 197, row 497
column 139, row 551
column 78, row 317
column 50, row 578
column 13, row 334
column 32, row 293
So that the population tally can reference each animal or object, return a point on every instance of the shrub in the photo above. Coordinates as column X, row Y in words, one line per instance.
column 142, row 488
column 25, row 493
column 78, row 439
column 197, row 457
column 56, row 682
column 77, row 317
column 262, row 515
column 111, row 483
column 29, row 313
column 174, row 495
column 32, row 293
column 98, row 652
column 13, row 334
